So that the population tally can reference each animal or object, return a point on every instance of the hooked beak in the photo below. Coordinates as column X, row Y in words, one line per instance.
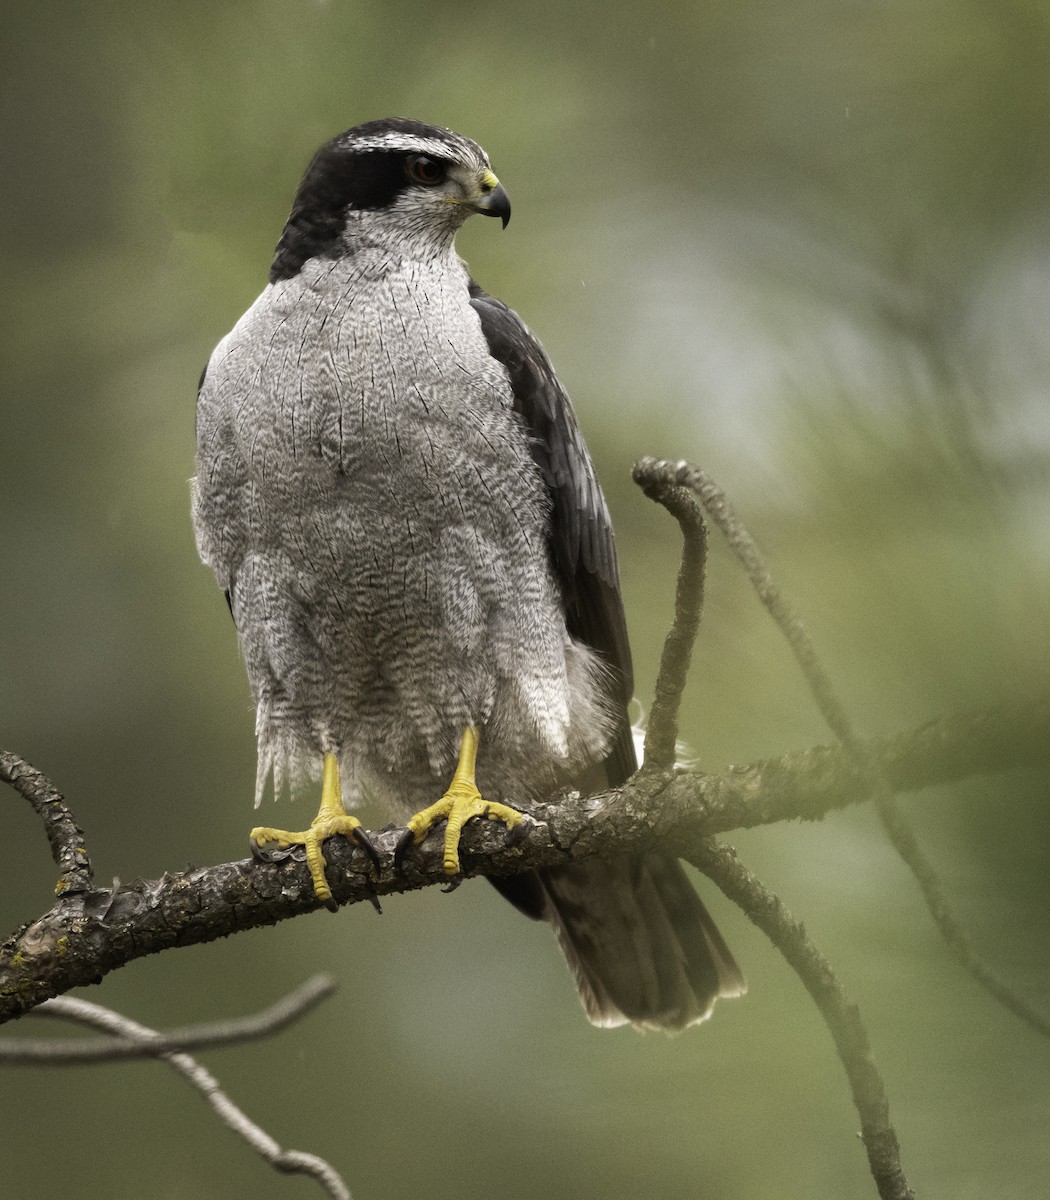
column 494, row 201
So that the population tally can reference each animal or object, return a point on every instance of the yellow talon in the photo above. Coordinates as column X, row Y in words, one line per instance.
column 332, row 818
column 461, row 802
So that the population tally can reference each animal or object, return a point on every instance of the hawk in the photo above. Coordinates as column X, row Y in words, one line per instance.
column 394, row 495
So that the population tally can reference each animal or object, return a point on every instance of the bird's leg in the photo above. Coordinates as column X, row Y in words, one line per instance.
column 332, row 818
column 461, row 802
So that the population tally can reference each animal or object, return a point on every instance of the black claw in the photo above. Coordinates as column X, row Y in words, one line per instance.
column 407, row 839
column 330, row 904
column 264, row 853
column 373, row 899
column 516, row 835
column 369, row 847
column 452, row 885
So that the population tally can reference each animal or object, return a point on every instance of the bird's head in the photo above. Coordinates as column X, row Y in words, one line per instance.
column 395, row 182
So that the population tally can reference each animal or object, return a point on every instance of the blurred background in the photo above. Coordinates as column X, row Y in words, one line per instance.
column 803, row 245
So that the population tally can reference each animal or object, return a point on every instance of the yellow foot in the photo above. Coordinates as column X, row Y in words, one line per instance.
column 461, row 802
column 331, row 819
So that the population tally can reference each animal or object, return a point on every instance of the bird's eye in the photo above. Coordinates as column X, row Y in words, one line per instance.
column 426, row 170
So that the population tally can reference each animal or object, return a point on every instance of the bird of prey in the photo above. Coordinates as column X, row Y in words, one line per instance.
column 395, row 497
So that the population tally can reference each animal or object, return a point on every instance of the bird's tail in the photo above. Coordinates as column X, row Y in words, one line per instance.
column 641, row 945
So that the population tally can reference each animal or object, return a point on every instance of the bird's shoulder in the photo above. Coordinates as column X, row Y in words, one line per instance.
column 584, row 533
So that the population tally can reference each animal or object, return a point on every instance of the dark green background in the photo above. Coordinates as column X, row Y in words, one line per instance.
column 804, row 245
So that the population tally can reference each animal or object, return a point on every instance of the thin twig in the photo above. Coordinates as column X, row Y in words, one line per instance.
column 952, row 929
column 288, row 1161
column 720, row 511
column 63, row 833
column 662, row 733
column 67, row 1052
column 720, row 864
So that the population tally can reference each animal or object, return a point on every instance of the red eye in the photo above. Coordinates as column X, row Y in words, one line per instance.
column 426, row 170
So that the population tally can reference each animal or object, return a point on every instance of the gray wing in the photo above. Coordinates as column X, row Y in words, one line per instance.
column 580, row 536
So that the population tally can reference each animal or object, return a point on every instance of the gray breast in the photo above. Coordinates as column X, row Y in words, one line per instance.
column 366, row 495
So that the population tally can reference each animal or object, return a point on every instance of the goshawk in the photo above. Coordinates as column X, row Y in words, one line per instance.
column 395, row 497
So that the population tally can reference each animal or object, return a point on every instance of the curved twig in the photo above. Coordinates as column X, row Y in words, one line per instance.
column 67, row 1052
column 662, row 732
column 63, row 833
column 718, row 508
column 288, row 1161
column 720, row 864
column 716, row 505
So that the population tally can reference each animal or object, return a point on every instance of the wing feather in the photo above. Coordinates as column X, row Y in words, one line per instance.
column 580, row 536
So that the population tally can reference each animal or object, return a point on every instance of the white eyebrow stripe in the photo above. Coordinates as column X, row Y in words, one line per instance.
column 406, row 141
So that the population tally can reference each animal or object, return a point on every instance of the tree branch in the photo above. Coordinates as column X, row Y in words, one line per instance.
column 70, row 1052
column 720, row 864
column 951, row 928
column 662, row 734
column 295, row 1162
column 660, row 480
column 664, row 478
column 63, row 833
column 88, row 934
